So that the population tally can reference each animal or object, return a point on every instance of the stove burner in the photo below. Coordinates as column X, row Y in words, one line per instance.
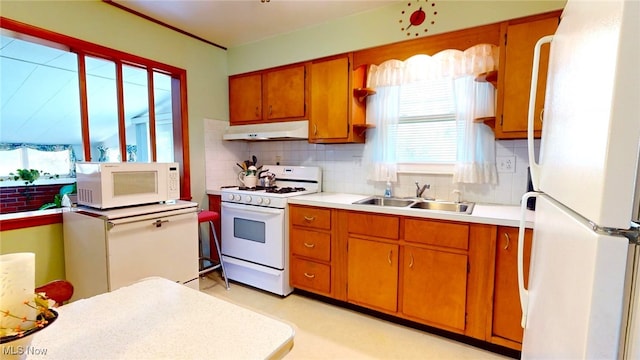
column 284, row 190
column 257, row 188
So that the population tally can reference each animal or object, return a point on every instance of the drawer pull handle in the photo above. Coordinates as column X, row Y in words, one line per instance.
column 411, row 262
column 309, row 218
column 310, row 246
column 506, row 246
column 310, row 276
column 158, row 223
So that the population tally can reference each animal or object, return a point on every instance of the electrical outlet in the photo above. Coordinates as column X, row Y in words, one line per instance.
column 506, row 164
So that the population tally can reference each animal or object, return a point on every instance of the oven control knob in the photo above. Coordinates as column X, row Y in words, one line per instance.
column 247, row 198
column 259, row 200
column 230, row 196
column 267, row 201
column 236, row 197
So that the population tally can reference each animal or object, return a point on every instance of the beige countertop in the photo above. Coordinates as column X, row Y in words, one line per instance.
column 159, row 319
column 505, row 215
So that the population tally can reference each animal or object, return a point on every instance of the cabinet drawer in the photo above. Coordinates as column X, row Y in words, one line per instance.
column 311, row 217
column 311, row 275
column 373, row 225
column 437, row 233
column 311, row 244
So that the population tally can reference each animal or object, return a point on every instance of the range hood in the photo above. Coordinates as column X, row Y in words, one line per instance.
column 289, row 130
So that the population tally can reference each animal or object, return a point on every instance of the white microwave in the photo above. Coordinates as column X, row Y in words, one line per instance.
column 110, row 185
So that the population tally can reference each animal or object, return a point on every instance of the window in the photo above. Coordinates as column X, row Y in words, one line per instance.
column 89, row 102
column 426, row 131
column 54, row 160
column 425, row 110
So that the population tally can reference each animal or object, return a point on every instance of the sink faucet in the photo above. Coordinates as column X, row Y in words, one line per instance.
column 456, row 193
column 420, row 190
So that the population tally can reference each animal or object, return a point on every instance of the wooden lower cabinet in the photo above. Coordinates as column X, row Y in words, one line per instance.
column 434, row 287
column 372, row 278
column 310, row 243
column 456, row 276
column 505, row 320
column 310, row 275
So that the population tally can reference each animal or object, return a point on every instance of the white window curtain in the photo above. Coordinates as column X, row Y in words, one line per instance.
column 476, row 145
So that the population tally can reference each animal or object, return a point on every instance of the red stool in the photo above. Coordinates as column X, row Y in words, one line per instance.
column 210, row 217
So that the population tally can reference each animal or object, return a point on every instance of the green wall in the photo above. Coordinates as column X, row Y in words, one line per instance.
column 46, row 242
column 373, row 28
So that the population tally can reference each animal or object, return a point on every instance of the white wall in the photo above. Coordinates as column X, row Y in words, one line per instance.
column 343, row 168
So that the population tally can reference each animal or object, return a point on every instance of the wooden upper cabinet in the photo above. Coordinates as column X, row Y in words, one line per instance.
column 245, row 98
column 335, row 110
column 268, row 96
column 329, row 99
column 505, row 325
column 285, row 93
column 514, row 79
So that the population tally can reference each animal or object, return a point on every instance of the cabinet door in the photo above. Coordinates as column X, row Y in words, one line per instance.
column 506, row 299
column 163, row 246
column 521, row 40
column 435, row 286
column 245, row 98
column 330, row 99
column 372, row 274
column 285, row 93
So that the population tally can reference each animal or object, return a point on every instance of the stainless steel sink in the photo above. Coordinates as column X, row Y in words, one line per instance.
column 462, row 207
column 416, row 203
column 383, row 201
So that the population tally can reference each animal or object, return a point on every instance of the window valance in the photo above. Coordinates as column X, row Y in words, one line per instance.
column 449, row 63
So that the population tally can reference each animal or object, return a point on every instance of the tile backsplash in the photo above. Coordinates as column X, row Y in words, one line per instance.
column 342, row 163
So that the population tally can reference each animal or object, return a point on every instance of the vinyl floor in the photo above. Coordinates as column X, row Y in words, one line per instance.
column 326, row 331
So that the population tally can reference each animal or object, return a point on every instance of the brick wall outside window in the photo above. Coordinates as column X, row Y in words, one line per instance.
column 26, row 198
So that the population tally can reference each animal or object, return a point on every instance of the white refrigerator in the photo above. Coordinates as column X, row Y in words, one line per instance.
column 581, row 301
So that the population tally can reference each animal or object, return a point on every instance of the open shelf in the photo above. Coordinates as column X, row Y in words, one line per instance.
column 360, row 129
column 362, row 93
column 489, row 76
column 489, row 121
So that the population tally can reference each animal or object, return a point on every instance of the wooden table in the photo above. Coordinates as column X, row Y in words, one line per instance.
column 159, row 319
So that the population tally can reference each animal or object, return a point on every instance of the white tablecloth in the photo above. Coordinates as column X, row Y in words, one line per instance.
column 159, row 319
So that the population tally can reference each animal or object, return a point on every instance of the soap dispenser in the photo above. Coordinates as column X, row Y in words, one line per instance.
column 387, row 190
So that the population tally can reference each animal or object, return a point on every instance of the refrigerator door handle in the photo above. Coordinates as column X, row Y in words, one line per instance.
column 535, row 167
column 522, row 291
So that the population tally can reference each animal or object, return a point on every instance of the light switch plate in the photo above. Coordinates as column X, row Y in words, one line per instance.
column 506, row 164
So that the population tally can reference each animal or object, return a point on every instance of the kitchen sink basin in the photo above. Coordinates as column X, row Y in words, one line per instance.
column 462, row 207
column 417, row 203
column 383, row 201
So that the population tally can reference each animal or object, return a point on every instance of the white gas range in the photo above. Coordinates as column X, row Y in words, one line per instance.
column 255, row 227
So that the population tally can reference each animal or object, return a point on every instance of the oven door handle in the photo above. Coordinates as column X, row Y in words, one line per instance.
column 251, row 208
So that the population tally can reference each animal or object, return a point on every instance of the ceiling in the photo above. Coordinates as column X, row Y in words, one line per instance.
column 233, row 23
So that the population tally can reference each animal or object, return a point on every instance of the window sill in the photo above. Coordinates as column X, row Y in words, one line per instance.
column 16, row 183
column 28, row 219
